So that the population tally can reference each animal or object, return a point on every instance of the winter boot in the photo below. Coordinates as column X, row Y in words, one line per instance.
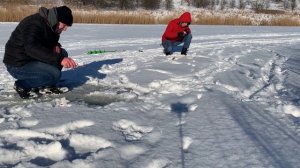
column 53, row 90
column 184, row 51
column 26, row 94
column 167, row 53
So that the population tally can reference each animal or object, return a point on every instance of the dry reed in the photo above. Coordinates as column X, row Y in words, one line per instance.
column 13, row 13
column 282, row 21
column 221, row 20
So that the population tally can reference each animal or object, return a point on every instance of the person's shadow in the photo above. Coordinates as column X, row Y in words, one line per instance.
column 76, row 77
column 180, row 108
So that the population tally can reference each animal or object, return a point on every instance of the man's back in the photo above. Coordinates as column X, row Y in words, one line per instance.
column 29, row 41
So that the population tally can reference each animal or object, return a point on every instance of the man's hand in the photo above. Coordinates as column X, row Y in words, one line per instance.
column 68, row 63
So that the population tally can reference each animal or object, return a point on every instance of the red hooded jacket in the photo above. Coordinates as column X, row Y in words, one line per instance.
column 173, row 28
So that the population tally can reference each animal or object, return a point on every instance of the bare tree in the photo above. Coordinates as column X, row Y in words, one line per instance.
column 222, row 4
column 293, row 4
column 200, row 3
column 123, row 4
column 151, row 4
column 242, row 4
column 261, row 4
column 232, row 4
column 169, row 4
column 138, row 3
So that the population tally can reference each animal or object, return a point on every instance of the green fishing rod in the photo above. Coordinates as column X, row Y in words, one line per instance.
column 91, row 52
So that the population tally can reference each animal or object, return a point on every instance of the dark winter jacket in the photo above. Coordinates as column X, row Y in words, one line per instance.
column 34, row 39
column 173, row 28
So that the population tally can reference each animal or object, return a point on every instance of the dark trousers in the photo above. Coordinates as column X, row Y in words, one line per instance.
column 36, row 74
column 169, row 46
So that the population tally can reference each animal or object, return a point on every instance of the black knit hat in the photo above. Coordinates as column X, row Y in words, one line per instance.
column 64, row 15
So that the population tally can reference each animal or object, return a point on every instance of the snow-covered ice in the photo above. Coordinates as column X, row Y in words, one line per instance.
column 233, row 102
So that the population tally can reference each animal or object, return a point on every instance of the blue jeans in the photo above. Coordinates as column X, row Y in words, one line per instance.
column 36, row 74
column 170, row 46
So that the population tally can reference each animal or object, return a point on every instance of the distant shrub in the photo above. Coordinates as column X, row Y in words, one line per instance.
column 282, row 21
column 269, row 11
column 221, row 20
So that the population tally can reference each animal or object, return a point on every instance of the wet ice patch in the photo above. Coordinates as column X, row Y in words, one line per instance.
column 105, row 98
column 130, row 130
column 100, row 95
column 87, row 143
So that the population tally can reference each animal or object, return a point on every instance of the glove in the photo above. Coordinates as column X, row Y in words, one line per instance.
column 186, row 31
column 181, row 34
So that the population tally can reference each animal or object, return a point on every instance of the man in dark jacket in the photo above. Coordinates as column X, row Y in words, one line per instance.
column 33, row 54
column 176, row 33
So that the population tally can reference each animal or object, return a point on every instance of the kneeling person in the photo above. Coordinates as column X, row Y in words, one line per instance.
column 176, row 33
column 33, row 54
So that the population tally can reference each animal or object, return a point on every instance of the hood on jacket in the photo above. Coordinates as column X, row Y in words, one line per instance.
column 50, row 15
column 185, row 17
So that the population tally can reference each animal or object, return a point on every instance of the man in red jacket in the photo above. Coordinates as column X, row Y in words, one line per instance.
column 176, row 33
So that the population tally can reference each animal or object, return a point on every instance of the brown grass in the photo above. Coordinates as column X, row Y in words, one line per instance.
column 282, row 21
column 121, row 17
column 269, row 11
column 11, row 13
column 219, row 20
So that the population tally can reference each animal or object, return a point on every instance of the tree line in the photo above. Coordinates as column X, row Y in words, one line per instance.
column 166, row 4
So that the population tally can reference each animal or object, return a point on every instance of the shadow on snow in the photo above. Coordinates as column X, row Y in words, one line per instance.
column 179, row 109
column 79, row 76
